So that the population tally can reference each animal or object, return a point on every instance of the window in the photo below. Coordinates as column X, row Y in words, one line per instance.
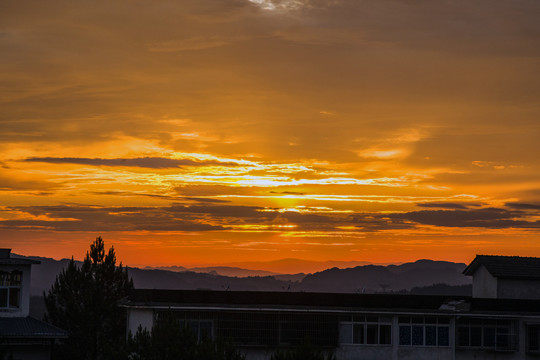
column 366, row 330
column 533, row 338
column 201, row 328
column 295, row 329
column 487, row 334
column 10, row 289
column 424, row 331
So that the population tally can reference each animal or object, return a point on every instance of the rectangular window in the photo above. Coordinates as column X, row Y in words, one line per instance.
column 202, row 329
column 487, row 334
column 431, row 335
column 10, row 289
column 358, row 333
column 420, row 331
column 372, row 334
column 404, row 335
column 385, row 334
column 443, row 336
column 370, row 330
column 533, row 338
column 3, row 297
column 345, row 333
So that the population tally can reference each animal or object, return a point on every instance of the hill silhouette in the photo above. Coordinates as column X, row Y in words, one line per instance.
column 365, row 278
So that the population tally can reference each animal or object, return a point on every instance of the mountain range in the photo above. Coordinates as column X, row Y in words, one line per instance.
column 363, row 278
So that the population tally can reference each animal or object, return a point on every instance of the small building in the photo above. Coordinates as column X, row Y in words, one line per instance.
column 21, row 336
column 505, row 277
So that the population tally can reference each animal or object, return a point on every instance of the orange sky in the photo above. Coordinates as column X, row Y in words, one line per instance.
column 198, row 132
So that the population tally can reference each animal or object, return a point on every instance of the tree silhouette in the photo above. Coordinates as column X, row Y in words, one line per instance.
column 171, row 340
column 84, row 301
column 305, row 351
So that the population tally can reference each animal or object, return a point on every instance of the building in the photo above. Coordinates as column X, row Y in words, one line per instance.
column 510, row 277
column 21, row 335
column 354, row 326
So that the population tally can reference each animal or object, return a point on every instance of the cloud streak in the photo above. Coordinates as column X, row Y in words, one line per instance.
column 143, row 162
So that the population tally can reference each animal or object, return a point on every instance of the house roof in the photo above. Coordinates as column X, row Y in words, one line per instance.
column 506, row 267
column 18, row 261
column 6, row 259
column 28, row 327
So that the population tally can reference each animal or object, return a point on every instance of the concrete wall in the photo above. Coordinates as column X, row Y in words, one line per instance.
column 24, row 309
column 518, row 289
column 491, row 355
column 419, row 353
column 484, row 284
column 364, row 352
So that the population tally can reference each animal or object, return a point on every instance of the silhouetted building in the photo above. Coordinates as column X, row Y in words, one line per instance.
column 353, row 326
column 507, row 277
column 21, row 336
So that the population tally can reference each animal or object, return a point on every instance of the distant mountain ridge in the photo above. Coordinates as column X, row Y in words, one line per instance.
column 218, row 270
column 377, row 278
column 365, row 278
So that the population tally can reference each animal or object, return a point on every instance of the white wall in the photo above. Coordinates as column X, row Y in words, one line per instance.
column 31, row 352
column 484, row 284
column 143, row 317
column 518, row 289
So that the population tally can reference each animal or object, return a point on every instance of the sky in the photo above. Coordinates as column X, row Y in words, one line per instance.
column 204, row 132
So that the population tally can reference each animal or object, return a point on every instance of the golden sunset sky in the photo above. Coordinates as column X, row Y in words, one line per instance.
column 202, row 132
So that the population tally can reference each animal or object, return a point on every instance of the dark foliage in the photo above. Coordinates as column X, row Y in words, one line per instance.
column 84, row 301
column 5, row 353
column 170, row 340
column 303, row 352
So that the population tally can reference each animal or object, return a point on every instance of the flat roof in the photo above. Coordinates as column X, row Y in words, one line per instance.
column 330, row 302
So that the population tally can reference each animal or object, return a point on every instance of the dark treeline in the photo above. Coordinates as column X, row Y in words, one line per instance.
column 84, row 301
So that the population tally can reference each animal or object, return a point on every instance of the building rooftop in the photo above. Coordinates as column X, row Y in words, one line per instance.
column 506, row 267
column 27, row 327
column 6, row 259
column 157, row 297
column 303, row 301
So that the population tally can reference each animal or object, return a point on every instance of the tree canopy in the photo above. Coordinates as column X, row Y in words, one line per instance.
column 84, row 301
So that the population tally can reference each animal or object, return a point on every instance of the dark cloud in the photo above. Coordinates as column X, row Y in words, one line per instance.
column 234, row 211
column 288, row 192
column 144, row 162
column 94, row 218
column 443, row 205
column 480, row 218
column 215, row 216
column 374, row 222
column 523, row 206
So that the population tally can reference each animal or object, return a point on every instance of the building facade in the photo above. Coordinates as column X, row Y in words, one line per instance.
column 352, row 326
column 21, row 336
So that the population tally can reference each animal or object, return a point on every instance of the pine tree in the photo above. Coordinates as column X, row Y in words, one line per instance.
column 84, row 301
